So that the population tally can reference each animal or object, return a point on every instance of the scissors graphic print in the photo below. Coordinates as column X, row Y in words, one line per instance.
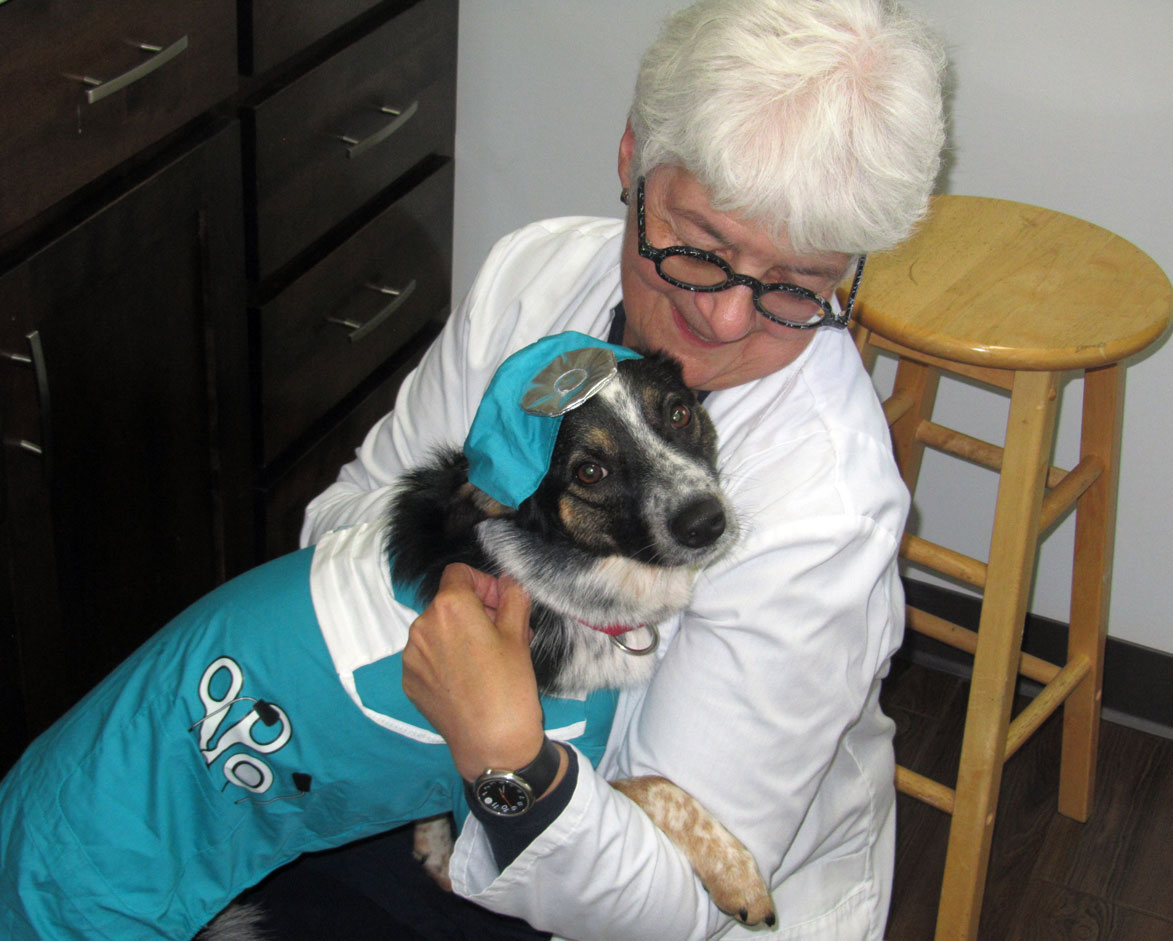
column 244, row 769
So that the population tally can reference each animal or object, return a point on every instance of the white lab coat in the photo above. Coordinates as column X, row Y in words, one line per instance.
column 764, row 704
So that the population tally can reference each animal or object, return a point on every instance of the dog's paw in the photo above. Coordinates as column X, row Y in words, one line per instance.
column 724, row 866
column 432, row 845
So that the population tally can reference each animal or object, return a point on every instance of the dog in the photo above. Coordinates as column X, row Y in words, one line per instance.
column 607, row 536
column 628, row 513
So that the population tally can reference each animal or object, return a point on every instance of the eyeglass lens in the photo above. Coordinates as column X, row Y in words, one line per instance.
column 696, row 272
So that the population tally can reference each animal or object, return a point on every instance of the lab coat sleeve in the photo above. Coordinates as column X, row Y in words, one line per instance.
column 570, row 862
column 774, row 662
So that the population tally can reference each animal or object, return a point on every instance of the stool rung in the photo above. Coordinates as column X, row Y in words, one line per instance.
column 934, row 793
column 960, row 444
column 925, row 789
column 946, row 561
column 982, row 453
column 1069, row 489
column 1047, row 701
column 1030, row 666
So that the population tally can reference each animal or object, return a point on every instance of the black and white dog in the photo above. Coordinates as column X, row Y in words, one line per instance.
column 627, row 515
column 622, row 517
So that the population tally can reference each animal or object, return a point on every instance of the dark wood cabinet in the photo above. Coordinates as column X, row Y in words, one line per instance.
column 349, row 235
column 335, row 136
column 89, row 84
column 125, row 431
column 198, row 320
column 272, row 33
column 343, row 318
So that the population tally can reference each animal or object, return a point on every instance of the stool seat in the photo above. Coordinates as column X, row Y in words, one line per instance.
column 1012, row 297
column 995, row 283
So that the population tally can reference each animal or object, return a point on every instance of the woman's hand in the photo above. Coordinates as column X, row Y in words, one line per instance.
column 467, row 668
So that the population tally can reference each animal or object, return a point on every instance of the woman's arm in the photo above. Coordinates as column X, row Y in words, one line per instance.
column 747, row 712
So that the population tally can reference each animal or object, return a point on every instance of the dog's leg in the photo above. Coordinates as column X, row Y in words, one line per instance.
column 723, row 864
column 432, row 844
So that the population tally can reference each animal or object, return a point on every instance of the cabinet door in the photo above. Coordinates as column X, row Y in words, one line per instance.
column 125, row 425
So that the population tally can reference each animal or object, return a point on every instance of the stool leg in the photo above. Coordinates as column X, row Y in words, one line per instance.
column 1095, row 529
column 1013, row 548
column 919, row 382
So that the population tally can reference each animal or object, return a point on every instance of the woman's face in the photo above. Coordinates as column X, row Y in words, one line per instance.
column 720, row 338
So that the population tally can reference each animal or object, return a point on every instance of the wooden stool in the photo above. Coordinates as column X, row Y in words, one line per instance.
column 1013, row 296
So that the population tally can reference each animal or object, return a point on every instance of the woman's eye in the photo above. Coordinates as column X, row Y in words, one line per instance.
column 589, row 472
column 679, row 416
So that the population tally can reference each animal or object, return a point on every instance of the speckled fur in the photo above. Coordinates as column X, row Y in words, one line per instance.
column 722, row 863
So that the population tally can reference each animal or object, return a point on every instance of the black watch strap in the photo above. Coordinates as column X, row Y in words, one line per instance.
column 509, row 836
column 514, row 793
column 539, row 774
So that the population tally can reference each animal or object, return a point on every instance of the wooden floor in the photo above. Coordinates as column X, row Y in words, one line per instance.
column 1050, row 877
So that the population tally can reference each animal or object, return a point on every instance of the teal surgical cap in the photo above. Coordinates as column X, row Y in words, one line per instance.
column 512, row 437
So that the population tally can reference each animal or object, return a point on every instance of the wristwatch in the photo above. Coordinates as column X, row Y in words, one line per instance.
column 513, row 793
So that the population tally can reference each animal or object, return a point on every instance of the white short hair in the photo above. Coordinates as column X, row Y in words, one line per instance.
column 821, row 119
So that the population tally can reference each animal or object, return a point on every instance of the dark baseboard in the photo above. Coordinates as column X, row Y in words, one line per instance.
column 1138, row 681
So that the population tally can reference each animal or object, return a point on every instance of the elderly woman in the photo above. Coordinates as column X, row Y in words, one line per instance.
column 772, row 144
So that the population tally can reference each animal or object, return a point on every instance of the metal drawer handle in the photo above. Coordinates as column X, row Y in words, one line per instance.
column 360, row 330
column 162, row 55
column 36, row 360
column 356, row 148
column 23, row 444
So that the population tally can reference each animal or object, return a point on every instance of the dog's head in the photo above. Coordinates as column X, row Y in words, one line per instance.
column 611, row 533
column 634, row 473
column 630, row 509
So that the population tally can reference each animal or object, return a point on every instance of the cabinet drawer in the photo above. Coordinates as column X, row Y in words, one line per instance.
column 328, row 142
column 82, row 95
column 274, row 30
column 337, row 323
column 282, row 502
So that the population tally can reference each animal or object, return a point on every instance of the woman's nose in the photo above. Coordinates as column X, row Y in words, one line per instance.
column 730, row 314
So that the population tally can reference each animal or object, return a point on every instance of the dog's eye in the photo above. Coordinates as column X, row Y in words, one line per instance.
column 588, row 472
column 679, row 415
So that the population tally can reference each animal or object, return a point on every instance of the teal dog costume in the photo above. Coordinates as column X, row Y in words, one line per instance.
column 246, row 732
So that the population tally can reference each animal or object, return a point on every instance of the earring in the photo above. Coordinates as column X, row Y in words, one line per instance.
column 623, row 194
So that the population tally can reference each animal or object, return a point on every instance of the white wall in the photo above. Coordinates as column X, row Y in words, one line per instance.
column 1063, row 103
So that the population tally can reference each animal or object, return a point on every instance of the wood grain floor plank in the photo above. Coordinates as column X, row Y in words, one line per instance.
column 1056, row 913
column 1050, row 877
column 1124, row 852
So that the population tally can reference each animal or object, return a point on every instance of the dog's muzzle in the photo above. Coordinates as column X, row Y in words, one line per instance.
column 699, row 524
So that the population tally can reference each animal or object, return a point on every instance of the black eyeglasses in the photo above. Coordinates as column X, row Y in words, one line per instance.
column 695, row 269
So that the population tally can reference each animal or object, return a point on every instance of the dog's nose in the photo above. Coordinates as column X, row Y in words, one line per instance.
column 699, row 524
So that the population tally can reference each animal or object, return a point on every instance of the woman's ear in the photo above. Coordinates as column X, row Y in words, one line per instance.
column 626, row 151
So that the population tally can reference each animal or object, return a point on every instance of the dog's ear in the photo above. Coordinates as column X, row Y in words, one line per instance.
column 432, row 521
column 667, row 362
column 660, row 362
column 470, row 505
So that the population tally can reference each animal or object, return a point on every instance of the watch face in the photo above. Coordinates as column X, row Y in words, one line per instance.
column 504, row 794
